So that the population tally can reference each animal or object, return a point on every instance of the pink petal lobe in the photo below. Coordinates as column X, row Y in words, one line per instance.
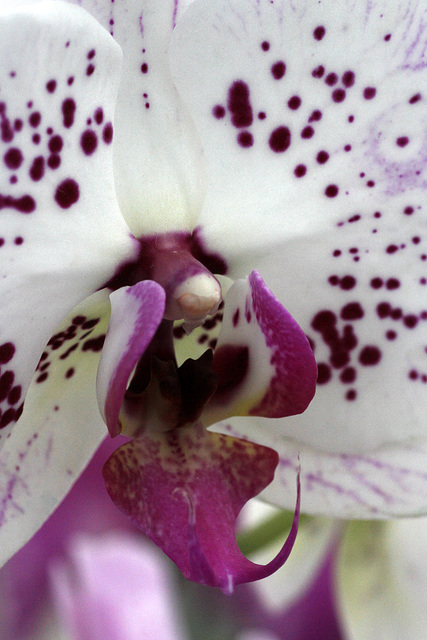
column 293, row 385
column 136, row 313
column 184, row 489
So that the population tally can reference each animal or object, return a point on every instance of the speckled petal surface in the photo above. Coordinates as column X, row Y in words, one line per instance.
column 61, row 231
column 158, row 158
column 263, row 359
column 136, row 312
column 338, row 213
column 184, row 489
column 60, row 427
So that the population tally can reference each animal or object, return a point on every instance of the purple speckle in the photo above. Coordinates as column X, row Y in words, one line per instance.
column 278, row 70
column 13, row 158
column 51, row 86
column 218, row 112
column 331, row 191
column 331, row 79
column 245, row 139
column 319, row 33
column 55, row 144
column 35, row 119
column 26, row 204
column 68, row 112
column 67, row 193
column 89, row 142
column 369, row 356
column 99, row 115
column 369, row 93
column 239, row 104
column 294, row 103
column 280, row 139
column 348, row 79
column 90, row 69
column 318, row 72
column 265, row 46
column 37, row 169
column 107, row 133
column 307, row 133
column 300, row 171
column 7, row 351
column 338, row 95
column 144, row 67
column 402, row 141
column 415, row 98
column 322, row 157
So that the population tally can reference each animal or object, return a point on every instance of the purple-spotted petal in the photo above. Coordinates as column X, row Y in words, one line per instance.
column 59, row 430
column 264, row 362
column 136, row 313
column 184, row 489
column 310, row 114
column 341, row 207
column 158, row 162
column 61, row 231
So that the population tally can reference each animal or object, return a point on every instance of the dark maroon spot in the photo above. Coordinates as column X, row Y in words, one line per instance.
column 218, row 112
column 13, row 158
column 402, row 141
column 338, row 95
column 294, row 103
column 351, row 395
column 352, row 311
column 413, row 374
column 90, row 69
column 300, row 170
column 67, row 193
column 322, row 157
column 239, row 104
column 91, row 54
column 35, row 119
column 392, row 248
column 107, row 134
column 89, row 142
column 376, row 283
column 70, row 81
column 278, row 70
column 36, row 138
column 315, row 116
column 391, row 335
column 347, row 148
column 18, row 124
column 348, row 79
column 347, row 283
column 54, row 161
column 19, row 240
column 26, row 204
column 236, row 317
column 79, row 319
column 383, row 310
column 324, row 320
column 416, row 240
column 318, row 72
column 319, row 32
column 348, row 375
column 369, row 356
column 51, row 86
column 90, row 324
column 392, row 283
column 14, row 395
column 230, row 363
column 387, row 37
column 331, row 79
column 410, row 321
column 7, row 351
column 336, row 253
column 262, row 115
column 245, row 139
column 396, row 314
column 55, row 144
column 42, row 377
column 6, row 382
column 331, row 191
column 69, row 373
column 415, row 98
column 323, row 373
column 144, row 68
column 68, row 112
column 99, row 115
column 94, row 344
column 265, row 46
column 280, row 139
column 307, row 133
column 369, row 93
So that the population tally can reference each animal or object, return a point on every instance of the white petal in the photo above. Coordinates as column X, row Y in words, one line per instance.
column 381, row 581
column 62, row 235
column 359, row 256
column 158, row 162
column 271, row 85
column 59, row 430
column 391, row 481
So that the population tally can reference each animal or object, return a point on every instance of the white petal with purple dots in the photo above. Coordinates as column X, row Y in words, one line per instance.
column 62, row 234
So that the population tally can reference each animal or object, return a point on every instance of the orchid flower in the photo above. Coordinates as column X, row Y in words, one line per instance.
column 84, row 231
column 247, row 135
